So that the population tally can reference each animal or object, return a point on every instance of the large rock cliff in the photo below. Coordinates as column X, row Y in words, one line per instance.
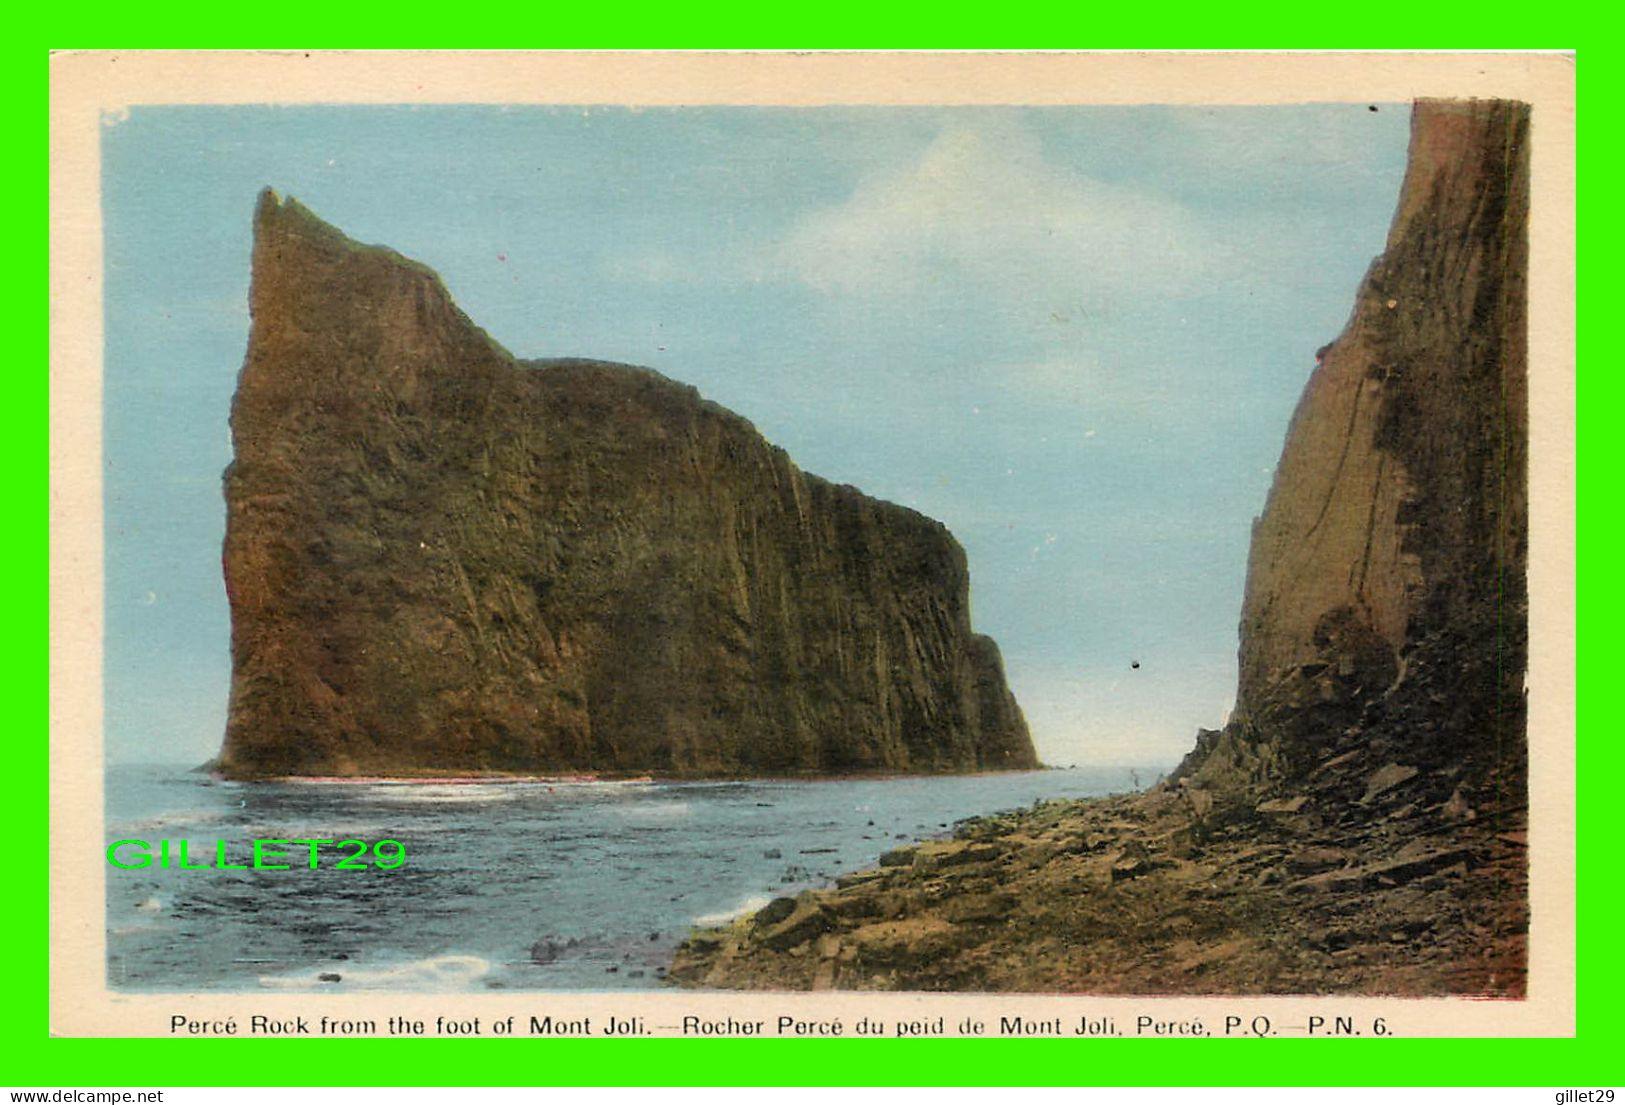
column 1386, row 586
column 1360, row 822
column 439, row 558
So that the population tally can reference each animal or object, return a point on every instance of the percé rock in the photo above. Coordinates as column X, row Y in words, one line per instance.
column 1360, row 823
column 443, row 559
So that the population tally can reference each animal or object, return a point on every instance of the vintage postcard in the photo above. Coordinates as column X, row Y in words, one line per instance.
column 1001, row 545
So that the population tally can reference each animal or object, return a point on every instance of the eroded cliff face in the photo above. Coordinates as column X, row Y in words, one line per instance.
column 439, row 558
column 1360, row 824
column 1387, row 576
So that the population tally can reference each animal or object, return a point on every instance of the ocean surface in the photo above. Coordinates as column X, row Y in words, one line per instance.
column 526, row 886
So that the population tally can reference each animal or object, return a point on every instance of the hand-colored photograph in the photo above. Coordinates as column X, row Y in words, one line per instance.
column 1049, row 549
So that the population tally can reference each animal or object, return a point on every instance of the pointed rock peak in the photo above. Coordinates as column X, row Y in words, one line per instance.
column 282, row 221
column 272, row 208
column 301, row 263
column 285, row 216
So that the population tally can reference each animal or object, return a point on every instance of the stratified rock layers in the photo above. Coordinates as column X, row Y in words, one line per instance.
column 439, row 558
column 1392, row 554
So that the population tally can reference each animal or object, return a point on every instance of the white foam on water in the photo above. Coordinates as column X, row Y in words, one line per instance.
column 150, row 905
column 452, row 794
column 366, row 833
column 131, row 930
column 163, row 822
column 440, row 972
column 654, row 811
column 749, row 905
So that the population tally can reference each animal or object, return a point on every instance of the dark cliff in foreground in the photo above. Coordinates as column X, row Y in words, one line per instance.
column 1360, row 823
column 441, row 559
column 1386, row 605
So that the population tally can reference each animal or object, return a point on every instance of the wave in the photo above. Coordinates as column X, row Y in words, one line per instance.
column 440, row 972
column 449, row 794
column 654, row 811
column 131, row 930
column 367, row 831
column 143, row 827
column 488, row 793
column 749, row 905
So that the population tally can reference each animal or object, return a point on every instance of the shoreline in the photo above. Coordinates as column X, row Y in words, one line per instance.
column 444, row 780
column 590, row 778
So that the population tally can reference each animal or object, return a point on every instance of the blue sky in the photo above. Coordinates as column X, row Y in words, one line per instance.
column 1074, row 335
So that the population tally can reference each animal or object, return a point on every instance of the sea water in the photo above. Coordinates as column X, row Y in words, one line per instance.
column 520, row 885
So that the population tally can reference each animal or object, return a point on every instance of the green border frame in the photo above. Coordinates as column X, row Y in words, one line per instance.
column 35, row 1059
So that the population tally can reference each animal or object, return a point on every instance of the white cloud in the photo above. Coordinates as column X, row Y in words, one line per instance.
column 1083, row 378
column 983, row 214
